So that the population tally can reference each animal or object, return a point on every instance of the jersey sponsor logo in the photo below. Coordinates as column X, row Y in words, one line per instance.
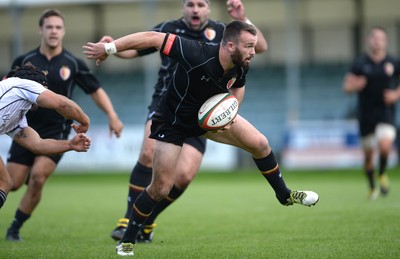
column 230, row 82
column 205, row 78
column 169, row 43
column 389, row 69
column 210, row 33
column 65, row 72
column 366, row 68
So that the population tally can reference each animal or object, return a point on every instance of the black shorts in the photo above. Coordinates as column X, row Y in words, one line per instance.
column 197, row 142
column 163, row 131
column 21, row 155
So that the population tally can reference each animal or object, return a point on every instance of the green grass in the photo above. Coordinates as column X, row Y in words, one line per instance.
column 222, row 215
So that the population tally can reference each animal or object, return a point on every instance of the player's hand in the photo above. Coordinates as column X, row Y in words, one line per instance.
column 82, row 128
column 390, row 96
column 236, row 9
column 80, row 143
column 356, row 83
column 228, row 126
column 95, row 51
column 115, row 126
column 106, row 39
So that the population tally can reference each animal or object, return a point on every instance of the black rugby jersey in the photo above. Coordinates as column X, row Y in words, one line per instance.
column 64, row 72
column 198, row 76
column 211, row 33
column 380, row 76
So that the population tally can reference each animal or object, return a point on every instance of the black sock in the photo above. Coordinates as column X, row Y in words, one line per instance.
column 371, row 179
column 3, row 197
column 163, row 204
column 19, row 220
column 139, row 180
column 270, row 170
column 141, row 210
column 382, row 164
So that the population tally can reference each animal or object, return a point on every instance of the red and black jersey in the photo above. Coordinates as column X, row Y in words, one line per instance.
column 380, row 76
column 198, row 76
column 212, row 32
column 64, row 72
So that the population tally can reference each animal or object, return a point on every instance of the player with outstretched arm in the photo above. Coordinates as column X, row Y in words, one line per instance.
column 196, row 25
column 25, row 89
column 203, row 71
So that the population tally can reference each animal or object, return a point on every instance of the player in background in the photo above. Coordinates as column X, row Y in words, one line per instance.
column 64, row 71
column 224, row 67
column 374, row 77
column 25, row 90
column 194, row 24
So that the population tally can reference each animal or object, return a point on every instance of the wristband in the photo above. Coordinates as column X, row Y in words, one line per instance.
column 110, row 48
column 248, row 21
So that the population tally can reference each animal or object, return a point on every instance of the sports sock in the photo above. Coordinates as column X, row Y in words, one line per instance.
column 371, row 179
column 382, row 164
column 141, row 210
column 3, row 197
column 270, row 170
column 163, row 204
column 139, row 180
column 19, row 220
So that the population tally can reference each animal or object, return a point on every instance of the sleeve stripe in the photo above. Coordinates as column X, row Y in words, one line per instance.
column 168, row 44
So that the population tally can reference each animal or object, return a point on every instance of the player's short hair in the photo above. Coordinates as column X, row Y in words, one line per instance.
column 233, row 29
column 48, row 13
column 379, row 28
column 30, row 72
column 207, row 1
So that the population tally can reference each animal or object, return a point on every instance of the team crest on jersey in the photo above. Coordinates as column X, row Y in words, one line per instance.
column 389, row 68
column 230, row 82
column 210, row 34
column 65, row 72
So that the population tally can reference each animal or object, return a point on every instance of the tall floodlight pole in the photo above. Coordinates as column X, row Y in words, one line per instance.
column 293, row 44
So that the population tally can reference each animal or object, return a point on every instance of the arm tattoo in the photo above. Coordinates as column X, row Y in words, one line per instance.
column 21, row 134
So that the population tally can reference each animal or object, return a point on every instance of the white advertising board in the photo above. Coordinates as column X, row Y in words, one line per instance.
column 324, row 144
column 121, row 154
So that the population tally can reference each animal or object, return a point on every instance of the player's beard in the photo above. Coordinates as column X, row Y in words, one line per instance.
column 237, row 59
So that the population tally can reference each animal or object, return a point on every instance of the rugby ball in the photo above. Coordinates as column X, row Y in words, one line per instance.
column 218, row 111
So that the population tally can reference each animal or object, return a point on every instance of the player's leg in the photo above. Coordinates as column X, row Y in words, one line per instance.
column 19, row 164
column 244, row 135
column 386, row 135
column 188, row 165
column 139, row 179
column 5, row 183
column 368, row 144
column 42, row 168
column 165, row 160
column 167, row 148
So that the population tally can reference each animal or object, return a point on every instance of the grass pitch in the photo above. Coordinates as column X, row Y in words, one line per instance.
column 221, row 215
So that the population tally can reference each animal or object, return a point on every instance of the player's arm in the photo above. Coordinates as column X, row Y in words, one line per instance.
column 66, row 107
column 391, row 96
column 353, row 83
column 102, row 100
column 136, row 41
column 238, row 93
column 236, row 11
column 127, row 54
column 30, row 139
